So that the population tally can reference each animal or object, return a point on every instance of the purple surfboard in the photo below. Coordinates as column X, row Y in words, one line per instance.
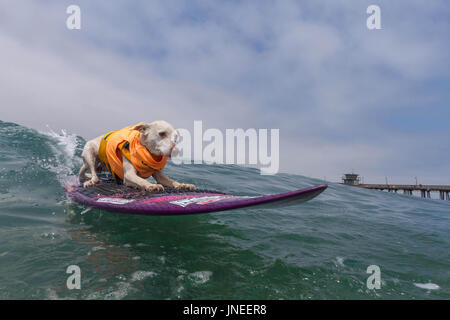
column 109, row 196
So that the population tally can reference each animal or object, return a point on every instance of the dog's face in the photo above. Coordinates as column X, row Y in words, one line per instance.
column 159, row 137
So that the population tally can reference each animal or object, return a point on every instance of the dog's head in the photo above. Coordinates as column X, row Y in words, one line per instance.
column 159, row 137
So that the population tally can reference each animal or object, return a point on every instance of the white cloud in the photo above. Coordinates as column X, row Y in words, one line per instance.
column 40, row 88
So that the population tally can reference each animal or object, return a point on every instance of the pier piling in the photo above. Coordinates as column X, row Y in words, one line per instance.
column 352, row 179
column 425, row 190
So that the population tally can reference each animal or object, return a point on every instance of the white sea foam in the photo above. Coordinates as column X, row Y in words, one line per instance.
column 179, row 289
column 427, row 286
column 52, row 295
column 64, row 147
column 50, row 235
column 340, row 261
column 85, row 211
column 141, row 245
column 141, row 275
column 200, row 277
column 121, row 292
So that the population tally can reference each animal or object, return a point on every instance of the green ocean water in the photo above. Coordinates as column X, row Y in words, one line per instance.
column 317, row 250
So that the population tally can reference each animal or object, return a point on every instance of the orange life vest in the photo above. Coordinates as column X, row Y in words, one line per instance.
column 126, row 142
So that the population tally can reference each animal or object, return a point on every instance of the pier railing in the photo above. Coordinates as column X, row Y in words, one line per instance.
column 425, row 190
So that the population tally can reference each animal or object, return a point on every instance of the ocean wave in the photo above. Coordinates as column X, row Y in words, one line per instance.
column 320, row 249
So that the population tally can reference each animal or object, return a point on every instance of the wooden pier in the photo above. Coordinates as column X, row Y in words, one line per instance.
column 353, row 179
column 425, row 190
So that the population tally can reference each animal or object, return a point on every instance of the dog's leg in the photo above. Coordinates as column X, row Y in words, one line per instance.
column 130, row 178
column 89, row 156
column 82, row 173
column 161, row 178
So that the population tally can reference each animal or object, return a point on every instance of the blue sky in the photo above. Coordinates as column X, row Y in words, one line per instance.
column 344, row 97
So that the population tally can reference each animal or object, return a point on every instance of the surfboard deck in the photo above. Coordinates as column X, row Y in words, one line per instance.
column 110, row 196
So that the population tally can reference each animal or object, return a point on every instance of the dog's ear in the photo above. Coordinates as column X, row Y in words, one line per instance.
column 142, row 127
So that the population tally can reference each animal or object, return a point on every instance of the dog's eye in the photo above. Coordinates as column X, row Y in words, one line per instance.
column 162, row 134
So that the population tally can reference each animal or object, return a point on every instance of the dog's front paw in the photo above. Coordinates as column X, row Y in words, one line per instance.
column 94, row 180
column 154, row 187
column 184, row 186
